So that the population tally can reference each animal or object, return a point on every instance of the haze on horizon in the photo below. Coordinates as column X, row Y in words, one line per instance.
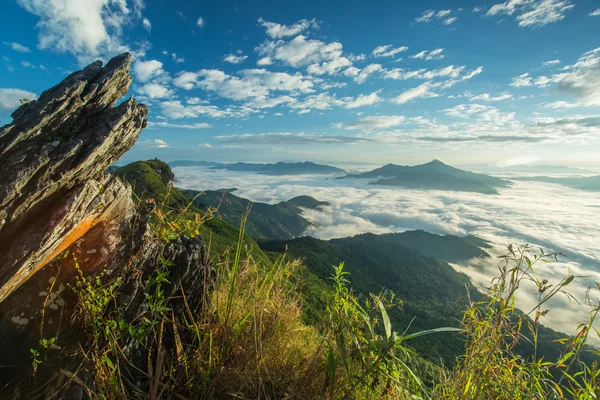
column 502, row 83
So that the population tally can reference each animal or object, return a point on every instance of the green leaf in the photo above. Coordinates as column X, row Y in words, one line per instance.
column 386, row 319
column 427, row 332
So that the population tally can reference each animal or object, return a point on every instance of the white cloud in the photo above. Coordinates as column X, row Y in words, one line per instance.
column 551, row 62
column 155, row 91
column 489, row 97
column 522, row 80
column 18, row 47
column 533, row 13
column 235, row 59
column 365, row 100
column 318, row 56
column 287, row 138
column 87, row 30
column 481, row 113
column 147, row 25
column 146, row 70
column 200, row 22
column 429, row 55
column 388, row 51
column 558, row 105
column 361, row 75
column 431, row 15
column 159, row 143
column 476, row 9
column 264, row 61
column 175, row 110
column 421, row 91
column 524, row 213
column 595, row 13
column 277, row 31
column 583, row 79
column 9, row 98
column 255, row 84
column 450, row 21
column 373, row 123
column 163, row 124
column 205, row 145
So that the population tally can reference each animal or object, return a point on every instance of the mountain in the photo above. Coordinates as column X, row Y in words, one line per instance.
column 188, row 163
column 433, row 293
column 266, row 221
column 590, row 184
column 431, row 290
column 282, row 168
column 434, row 175
column 449, row 248
column 152, row 179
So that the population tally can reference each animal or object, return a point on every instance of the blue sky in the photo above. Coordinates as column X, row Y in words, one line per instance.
column 383, row 81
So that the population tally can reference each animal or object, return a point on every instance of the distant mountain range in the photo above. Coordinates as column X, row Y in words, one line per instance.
column 280, row 168
column 590, row 184
column 434, row 175
column 532, row 169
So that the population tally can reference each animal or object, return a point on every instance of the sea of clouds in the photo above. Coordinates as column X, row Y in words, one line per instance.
column 554, row 217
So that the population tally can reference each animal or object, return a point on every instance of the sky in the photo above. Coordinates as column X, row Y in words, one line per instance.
column 467, row 82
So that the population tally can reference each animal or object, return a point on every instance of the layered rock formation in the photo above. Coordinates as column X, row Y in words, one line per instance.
column 59, row 211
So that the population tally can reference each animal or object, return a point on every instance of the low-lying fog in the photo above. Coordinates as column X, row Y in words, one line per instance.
column 552, row 216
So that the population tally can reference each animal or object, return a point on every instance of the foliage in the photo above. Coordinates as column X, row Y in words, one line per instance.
column 490, row 367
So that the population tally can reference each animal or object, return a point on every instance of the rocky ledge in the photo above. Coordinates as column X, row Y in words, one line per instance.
column 61, row 214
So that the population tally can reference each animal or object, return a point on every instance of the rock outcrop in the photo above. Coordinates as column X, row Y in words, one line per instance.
column 61, row 214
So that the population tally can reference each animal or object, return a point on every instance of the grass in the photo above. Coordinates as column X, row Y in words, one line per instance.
column 251, row 340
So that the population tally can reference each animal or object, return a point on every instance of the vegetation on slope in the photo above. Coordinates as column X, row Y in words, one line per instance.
column 266, row 221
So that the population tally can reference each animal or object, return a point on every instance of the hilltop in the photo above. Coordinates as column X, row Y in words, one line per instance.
column 434, row 175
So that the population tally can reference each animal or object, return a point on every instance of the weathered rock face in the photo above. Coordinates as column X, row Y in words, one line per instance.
column 53, row 156
column 55, row 200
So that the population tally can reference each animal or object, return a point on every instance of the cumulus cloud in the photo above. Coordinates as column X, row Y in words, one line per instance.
column 235, row 59
column 146, row 70
column 147, row 25
column 522, row 80
column 365, row 100
column 255, row 84
column 318, row 56
column 17, row 47
column 424, row 90
column 155, row 91
column 595, row 13
column 533, row 13
column 87, row 32
column 558, row 105
column 176, row 110
column 388, row 51
column 429, row 55
column 580, row 80
column 489, row 97
column 200, row 22
column 360, row 75
column 277, row 31
column 9, row 98
column 159, row 143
